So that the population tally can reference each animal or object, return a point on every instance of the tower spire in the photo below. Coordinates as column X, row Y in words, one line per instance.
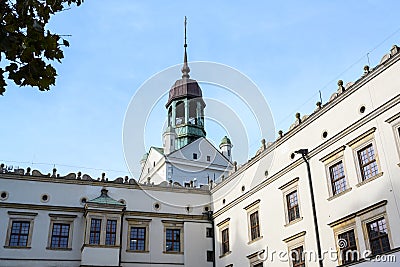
column 185, row 68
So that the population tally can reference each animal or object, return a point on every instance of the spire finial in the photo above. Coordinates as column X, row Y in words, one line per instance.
column 185, row 68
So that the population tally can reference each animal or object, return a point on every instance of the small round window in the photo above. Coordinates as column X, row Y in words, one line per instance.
column 157, row 206
column 83, row 200
column 3, row 195
column 45, row 198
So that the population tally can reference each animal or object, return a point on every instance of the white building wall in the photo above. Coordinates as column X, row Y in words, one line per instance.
column 338, row 119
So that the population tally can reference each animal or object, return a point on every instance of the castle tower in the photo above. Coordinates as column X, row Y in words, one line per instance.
column 185, row 108
column 226, row 148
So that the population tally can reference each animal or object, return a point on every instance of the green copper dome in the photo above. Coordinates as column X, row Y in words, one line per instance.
column 225, row 141
column 145, row 156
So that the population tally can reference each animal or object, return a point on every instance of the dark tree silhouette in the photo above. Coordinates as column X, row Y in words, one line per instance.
column 26, row 48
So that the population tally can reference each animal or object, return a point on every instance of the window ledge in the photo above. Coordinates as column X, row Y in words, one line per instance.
column 137, row 251
column 14, row 247
column 293, row 222
column 59, row 249
column 369, row 179
column 339, row 194
column 254, row 240
column 225, row 254
column 172, row 252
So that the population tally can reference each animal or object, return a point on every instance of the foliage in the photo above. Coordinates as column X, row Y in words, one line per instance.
column 26, row 47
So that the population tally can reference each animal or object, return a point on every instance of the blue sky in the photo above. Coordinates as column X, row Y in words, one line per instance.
column 290, row 49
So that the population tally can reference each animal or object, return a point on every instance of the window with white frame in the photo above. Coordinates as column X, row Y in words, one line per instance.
column 225, row 240
column 375, row 236
column 378, row 236
column 253, row 220
column 223, row 228
column 102, row 229
column 292, row 205
column 366, row 157
column 111, row 232
column 336, row 173
column 296, row 248
column 348, row 247
column 138, row 237
column 255, row 259
column 297, row 256
column 60, row 232
column 20, row 228
column 95, row 230
column 346, row 241
column 291, row 201
column 173, row 236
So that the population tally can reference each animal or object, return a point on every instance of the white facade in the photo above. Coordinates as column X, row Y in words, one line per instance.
column 260, row 211
column 195, row 164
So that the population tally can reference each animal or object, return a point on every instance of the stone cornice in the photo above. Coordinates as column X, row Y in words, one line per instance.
column 104, row 184
column 358, row 213
column 127, row 213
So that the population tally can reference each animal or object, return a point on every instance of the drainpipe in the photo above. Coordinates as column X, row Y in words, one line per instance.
column 120, row 236
column 209, row 215
column 304, row 154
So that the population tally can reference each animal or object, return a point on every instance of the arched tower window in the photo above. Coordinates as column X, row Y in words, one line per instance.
column 193, row 112
column 170, row 116
column 180, row 113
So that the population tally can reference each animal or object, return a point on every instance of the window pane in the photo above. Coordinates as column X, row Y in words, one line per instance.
column 292, row 206
column 19, row 234
column 95, row 228
column 60, row 234
column 367, row 160
column 173, row 240
column 137, row 241
column 338, row 179
column 378, row 236
column 111, row 228
column 348, row 253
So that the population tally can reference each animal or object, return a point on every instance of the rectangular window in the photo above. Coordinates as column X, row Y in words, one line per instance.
column 378, row 236
column 210, row 255
column 138, row 239
column 208, row 158
column 254, row 225
column 338, row 178
column 111, row 232
column 348, row 247
column 292, row 206
column 194, row 155
column 173, row 240
column 209, row 232
column 59, row 235
column 225, row 241
column 258, row 265
column 95, row 229
column 19, row 234
column 368, row 164
column 297, row 257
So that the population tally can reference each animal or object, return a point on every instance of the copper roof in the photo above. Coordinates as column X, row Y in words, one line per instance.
column 184, row 88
